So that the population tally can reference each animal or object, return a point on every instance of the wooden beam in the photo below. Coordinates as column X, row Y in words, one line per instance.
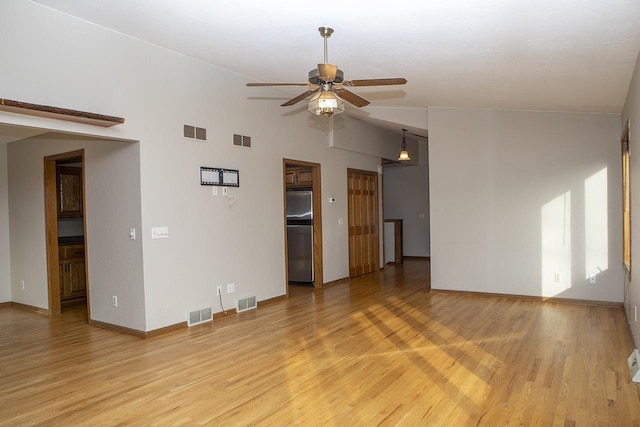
column 59, row 113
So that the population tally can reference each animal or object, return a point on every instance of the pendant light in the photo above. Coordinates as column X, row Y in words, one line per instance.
column 404, row 154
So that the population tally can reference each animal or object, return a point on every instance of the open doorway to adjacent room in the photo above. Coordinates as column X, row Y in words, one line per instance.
column 405, row 201
column 302, row 223
column 65, row 230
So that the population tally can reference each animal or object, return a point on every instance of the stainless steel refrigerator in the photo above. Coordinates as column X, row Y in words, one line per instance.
column 300, row 235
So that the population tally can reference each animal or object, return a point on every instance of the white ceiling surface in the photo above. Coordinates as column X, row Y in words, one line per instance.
column 553, row 55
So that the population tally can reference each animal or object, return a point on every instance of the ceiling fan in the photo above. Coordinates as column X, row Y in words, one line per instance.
column 328, row 87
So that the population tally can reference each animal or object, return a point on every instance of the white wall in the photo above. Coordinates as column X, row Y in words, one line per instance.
column 517, row 196
column 416, row 118
column 157, row 91
column 5, row 266
column 406, row 197
column 631, row 112
column 352, row 134
column 112, row 174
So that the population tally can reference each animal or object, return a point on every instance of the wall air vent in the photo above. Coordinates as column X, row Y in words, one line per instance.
column 193, row 132
column 201, row 315
column 241, row 140
column 248, row 303
column 201, row 134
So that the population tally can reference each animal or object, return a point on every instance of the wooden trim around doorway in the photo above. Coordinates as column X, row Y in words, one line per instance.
column 317, row 219
column 51, row 228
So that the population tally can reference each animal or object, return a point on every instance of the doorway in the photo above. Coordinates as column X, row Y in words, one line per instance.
column 364, row 244
column 65, row 227
column 303, row 177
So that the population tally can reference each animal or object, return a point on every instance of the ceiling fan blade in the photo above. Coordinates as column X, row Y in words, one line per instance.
column 298, row 98
column 327, row 72
column 375, row 82
column 351, row 97
column 276, row 84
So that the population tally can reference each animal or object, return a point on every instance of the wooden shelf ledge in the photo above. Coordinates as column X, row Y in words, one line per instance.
column 59, row 113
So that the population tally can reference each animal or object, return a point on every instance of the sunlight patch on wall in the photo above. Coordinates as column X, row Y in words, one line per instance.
column 556, row 245
column 596, row 258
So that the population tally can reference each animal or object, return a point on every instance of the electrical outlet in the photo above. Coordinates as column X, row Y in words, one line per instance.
column 21, row 284
column 218, row 290
column 231, row 288
column 214, row 190
column 114, row 301
column 556, row 277
column 635, row 312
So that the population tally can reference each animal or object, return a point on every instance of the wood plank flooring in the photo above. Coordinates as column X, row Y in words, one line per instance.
column 378, row 350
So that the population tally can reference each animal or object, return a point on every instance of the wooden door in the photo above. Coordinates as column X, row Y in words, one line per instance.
column 364, row 252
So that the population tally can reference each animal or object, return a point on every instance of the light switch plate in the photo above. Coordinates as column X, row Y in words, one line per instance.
column 160, row 233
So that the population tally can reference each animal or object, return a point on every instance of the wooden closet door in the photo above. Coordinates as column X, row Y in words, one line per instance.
column 362, row 190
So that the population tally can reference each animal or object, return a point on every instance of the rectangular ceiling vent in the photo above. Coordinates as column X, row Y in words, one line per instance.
column 194, row 132
column 200, row 315
column 241, row 140
column 248, row 303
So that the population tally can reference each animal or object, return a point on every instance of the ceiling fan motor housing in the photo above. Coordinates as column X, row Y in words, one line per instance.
column 314, row 77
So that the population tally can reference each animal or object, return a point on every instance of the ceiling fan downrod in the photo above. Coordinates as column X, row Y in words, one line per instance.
column 325, row 32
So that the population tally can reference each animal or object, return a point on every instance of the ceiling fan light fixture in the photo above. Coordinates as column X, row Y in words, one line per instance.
column 326, row 103
column 404, row 154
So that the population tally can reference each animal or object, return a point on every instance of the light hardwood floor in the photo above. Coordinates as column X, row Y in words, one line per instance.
column 378, row 350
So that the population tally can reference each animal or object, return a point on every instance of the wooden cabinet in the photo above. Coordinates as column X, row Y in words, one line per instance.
column 69, row 185
column 72, row 272
column 299, row 177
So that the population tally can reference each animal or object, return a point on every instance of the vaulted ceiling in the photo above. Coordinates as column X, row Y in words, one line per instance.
column 553, row 55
